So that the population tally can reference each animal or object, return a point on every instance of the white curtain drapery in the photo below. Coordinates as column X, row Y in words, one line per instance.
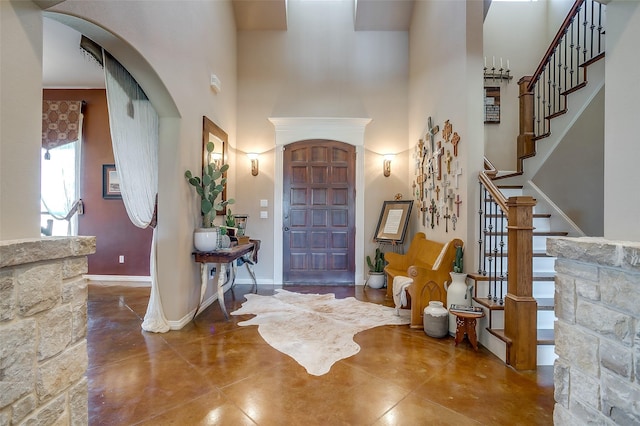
column 60, row 182
column 134, row 132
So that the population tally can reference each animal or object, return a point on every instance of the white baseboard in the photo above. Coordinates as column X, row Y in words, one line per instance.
column 121, row 279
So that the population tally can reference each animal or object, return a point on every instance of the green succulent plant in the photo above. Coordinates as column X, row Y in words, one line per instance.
column 378, row 263
column 209, row 188
column 457, row 263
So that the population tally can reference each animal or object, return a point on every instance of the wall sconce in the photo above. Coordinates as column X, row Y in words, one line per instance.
column 254, row 163
column 386, row 164
column 216, row 159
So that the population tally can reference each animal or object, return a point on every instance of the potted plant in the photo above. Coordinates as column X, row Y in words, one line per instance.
column 209, row 188
column 376, row 270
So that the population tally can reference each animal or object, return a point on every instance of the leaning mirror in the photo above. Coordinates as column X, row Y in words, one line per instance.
column 212, row 133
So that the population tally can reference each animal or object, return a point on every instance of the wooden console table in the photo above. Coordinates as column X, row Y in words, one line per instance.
column 222, row 258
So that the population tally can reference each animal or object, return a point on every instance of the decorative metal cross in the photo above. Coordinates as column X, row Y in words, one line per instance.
column 450, row 198
column 447, row 159
column 446, row 216
column 446, row 132
column 432, row 210
column 439, row 154
column 431, row 133
column 455, row 140
column 458, row 202
column 454, row 219
column 457, row 172
column 437, row 192
column 424, row 209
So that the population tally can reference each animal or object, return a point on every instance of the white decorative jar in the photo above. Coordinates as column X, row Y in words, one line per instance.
column 205, row 239
column 376, row 279
column 457, row 294
column 436, row 319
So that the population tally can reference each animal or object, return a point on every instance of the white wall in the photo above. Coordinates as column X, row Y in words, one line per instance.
column 320, row 67
column 622, row 150
column 520, row 32
column 21, row 119
column 446, row 84
column 173, row 66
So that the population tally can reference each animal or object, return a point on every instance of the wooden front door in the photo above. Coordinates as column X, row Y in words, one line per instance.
column 319, row 213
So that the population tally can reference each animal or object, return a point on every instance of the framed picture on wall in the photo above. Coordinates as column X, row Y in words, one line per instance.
column 492, row 105
column 393, row 221
column 110, row 182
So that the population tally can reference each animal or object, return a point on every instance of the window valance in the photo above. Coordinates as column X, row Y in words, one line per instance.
column 60, row 122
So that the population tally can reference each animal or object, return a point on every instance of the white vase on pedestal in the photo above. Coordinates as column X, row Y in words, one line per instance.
column 205, row 239
column 457, row 294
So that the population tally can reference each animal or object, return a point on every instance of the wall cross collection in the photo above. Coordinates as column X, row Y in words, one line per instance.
column 436, row 183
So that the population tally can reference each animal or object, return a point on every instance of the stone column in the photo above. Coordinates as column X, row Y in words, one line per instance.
column 43, row 327
column 597, row 334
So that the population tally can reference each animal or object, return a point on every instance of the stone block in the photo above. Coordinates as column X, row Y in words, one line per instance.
column 589, row 290
column 620, row 400
column 632, row 256
column 7, row 295
column 79, row 318
column 17, row 357
column 636, row 356
column 565, row 298
column 55, row 327
column 577, row 269
column 561, row 383
column 79, row 403
column 621, row 290
column 38, row 287
column 586, row 414
column 52, row 413
column 74, row 291
column 586, row 249
column 21, row 252
column 23, row 407
column 586, row 388
column 606, row 322
column 5, row 417
column 562, row 416
column 58, row 373
column 577, row 347
column 616, row 358
column 74, row 267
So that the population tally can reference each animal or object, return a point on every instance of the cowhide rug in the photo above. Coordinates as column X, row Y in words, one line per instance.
column 315, row 329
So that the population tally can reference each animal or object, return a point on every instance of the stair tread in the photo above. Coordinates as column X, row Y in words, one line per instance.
column 535, row 253
column 544, row 336
column 544, row 303
column 535, row 233
column 535, row 215
column 537, row 276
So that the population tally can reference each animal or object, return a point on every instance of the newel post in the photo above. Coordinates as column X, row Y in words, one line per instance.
column 520, row 309
column 526, row 144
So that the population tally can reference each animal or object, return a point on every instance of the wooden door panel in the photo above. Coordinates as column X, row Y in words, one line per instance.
column 318, row 206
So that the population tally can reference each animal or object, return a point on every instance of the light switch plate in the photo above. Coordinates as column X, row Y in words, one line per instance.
column 264, row 203
column 263, row 214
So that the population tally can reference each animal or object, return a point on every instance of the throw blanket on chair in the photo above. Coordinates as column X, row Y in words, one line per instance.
column 400, row 285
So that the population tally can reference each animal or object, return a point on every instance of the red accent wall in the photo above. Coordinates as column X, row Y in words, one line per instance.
column 106, row 219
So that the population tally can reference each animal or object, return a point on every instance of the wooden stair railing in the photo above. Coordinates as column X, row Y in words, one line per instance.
column 578, row 43
column 520, row 308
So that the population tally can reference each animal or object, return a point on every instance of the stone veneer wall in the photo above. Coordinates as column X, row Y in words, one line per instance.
column 43, row 327
column 597, row 334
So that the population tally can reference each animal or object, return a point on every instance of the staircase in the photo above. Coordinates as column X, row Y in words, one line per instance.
column 520, row 317
column 490, row 291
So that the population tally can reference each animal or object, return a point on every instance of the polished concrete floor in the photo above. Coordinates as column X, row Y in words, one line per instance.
column 215, row 372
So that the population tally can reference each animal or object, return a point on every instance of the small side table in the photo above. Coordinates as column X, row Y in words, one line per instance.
column 222, row 258
column 466, row 324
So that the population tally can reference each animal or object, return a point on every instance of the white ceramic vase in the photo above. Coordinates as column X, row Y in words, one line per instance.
column 376, row 279
column 435, row 319
column 205, row 239
column 457, row 294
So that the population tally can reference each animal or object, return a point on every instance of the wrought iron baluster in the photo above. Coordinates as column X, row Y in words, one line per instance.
column 571, row 46
column 502, row 227
column 599, row 28
column 585, row 23
column 592, row 27
column 495, row 251
column 489, row 241
column 480, row 223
